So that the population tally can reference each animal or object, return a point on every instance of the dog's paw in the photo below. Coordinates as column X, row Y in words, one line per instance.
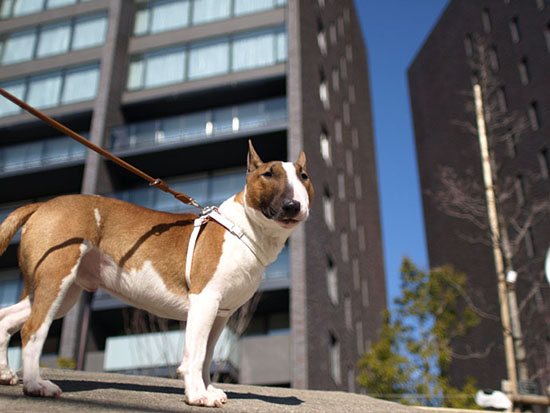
column 209, row 398
column 219, row 393
column 41, row 388
column 8, row 377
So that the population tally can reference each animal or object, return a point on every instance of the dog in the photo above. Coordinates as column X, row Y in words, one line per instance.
column 85, row 242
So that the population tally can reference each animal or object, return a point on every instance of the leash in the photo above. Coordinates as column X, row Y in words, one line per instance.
column 155, row 182
column 207, row 214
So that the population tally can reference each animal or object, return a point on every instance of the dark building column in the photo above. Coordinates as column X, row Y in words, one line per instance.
column 107, row 113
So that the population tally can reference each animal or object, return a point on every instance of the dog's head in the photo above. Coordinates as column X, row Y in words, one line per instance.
column 281, row 191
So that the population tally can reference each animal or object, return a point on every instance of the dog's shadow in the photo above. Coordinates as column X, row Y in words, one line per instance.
column 70, row 386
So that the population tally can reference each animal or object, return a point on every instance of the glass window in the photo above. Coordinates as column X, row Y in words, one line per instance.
column 282, row 48
column 44, row 90
column 205, row 11
column 250, row 115
column 54, row 39
column 19, row 47
column 223, row 120
column 197, row 186
column 172, row 128
column 89, row 32
column 80, row 84
column 22, row 7
column 59, row 3
column 56, row 150
column 143, row 133
column 251, row 6
column 253, row 50
column 279, row 268
column 165, row 68
column 169, row 15
column 209, row 59
column 225, row 186
column 195, row 124
column 10, row 287
column 14, row 157
column 135, row 75
column 141, row 22
column 18, row 90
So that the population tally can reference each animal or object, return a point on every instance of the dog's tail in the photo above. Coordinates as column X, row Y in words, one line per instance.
column 13, row 222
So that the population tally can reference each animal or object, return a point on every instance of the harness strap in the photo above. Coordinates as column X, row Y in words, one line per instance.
column 212, row 213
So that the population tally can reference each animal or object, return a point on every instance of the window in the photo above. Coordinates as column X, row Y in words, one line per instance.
column 328, row 209
column 253, row 50
column 163, row 68
column 19, row 47
column 362, row 238
column 332, row 34
column 493, row 59
column 486, row 20
column 354, row 138
column 334, row 358
column 358, row 187
column 530, row 243
column 16, row 88
column 338, row 130
column 332, row 281
column 523, row 72
column 349, row 162
column 89, row 32
column 209, row 59
column 547, row 36
column 501, row 100
column 355, row 273
column 325, row 147
column 341, row 185
column 10, row 287
column 344, row 246
column 348, row 316
column 252, row 6
column 53, row 39
column 54, row 88
column 80, row 84
column 519, row 188
column 205, row 11
column 335, row 80
column 351, row 93
column 44, row 90
column 365, row 292
column 352, row 216
column 360, row 338
column 533, row 115
column 544, row 163
column 468, row 45
column 514, row 30
column 512, row 143
column 346, row 113
column 321, row 38
column 323, row 90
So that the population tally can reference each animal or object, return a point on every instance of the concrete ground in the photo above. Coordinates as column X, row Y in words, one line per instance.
column 103, row 392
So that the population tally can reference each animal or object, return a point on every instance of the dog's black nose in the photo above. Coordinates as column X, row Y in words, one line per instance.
column 291, row 207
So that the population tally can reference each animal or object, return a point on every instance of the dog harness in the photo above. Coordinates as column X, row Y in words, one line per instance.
column 213, row 214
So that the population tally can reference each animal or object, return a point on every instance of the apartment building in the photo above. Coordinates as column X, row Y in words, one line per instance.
column 177, row 88
column 503, row 45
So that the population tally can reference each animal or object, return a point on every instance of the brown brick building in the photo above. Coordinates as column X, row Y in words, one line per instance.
column 515, row 40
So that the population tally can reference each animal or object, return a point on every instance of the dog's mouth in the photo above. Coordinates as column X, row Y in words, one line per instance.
column 288, row 223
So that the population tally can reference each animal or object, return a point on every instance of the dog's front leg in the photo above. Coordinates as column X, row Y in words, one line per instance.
column 203, row 309
column 217, row 329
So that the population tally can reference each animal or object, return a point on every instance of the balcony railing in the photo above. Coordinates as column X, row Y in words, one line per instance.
column 198, row 126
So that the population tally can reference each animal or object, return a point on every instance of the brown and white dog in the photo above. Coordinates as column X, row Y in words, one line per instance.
column 77, row 242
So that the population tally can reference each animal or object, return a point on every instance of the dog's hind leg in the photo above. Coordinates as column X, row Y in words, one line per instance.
column 11, row 320
column 213, row 337
column 53, row 296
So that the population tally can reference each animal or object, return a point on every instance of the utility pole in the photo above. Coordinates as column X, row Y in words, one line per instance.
column 495, row 240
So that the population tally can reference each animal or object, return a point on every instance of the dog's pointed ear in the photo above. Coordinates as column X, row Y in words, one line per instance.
column 302, row 160
column 253, row 160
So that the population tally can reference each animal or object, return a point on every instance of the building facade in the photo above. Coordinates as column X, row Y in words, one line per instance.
column 176, row 88
column 504, row 46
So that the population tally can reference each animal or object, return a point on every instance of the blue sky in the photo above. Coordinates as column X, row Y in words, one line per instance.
column 394, row 31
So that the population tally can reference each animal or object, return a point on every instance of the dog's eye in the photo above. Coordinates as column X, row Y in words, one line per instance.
column 304, row 176
column 268, row 174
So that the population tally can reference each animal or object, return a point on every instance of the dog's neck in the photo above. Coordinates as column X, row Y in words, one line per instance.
column 261, row 230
